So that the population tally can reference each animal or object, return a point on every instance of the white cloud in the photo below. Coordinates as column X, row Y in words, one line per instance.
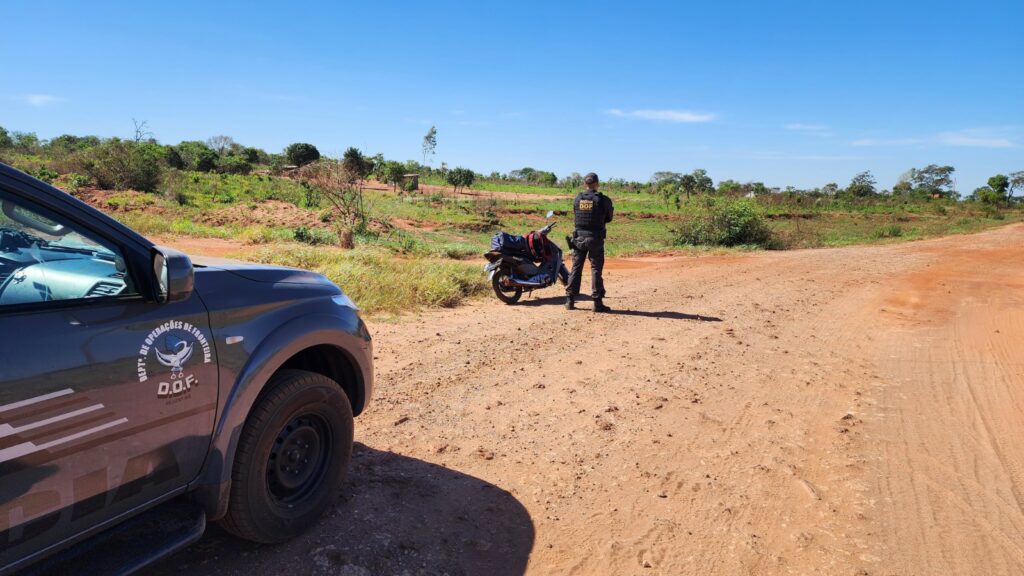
column 805, row 127
column 768, row 155
column 971, row 137
column 40, row 100
column 675, row 116
column 888, row 142
column 975, row 139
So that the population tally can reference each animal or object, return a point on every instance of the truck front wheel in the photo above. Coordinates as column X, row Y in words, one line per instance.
column 291, row 458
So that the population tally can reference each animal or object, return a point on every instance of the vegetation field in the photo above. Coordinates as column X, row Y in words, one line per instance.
column 359, row 221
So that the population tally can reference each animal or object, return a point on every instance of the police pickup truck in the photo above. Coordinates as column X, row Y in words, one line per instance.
column 142, row 394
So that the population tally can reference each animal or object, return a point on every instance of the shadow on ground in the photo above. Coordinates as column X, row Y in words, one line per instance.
column 583, row 303
column 395, row 515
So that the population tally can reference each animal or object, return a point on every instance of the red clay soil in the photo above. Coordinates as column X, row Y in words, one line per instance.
column 843, row 411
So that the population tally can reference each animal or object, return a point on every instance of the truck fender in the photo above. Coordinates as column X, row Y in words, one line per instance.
column 213, row 483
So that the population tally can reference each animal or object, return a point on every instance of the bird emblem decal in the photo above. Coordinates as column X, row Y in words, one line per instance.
column 178, row 353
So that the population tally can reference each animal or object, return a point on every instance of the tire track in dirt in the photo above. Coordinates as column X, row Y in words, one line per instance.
column 840, row 411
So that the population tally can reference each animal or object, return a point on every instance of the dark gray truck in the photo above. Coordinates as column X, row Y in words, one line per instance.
column 142, row 394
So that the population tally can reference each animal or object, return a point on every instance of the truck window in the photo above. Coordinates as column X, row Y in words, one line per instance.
column 43, row 259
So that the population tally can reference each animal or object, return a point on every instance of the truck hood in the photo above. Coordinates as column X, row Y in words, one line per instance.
column 261, row 272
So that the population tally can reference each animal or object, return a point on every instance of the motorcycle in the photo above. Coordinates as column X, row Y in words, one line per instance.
column 513, row 263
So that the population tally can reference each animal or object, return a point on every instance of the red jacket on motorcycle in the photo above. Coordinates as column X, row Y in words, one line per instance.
column 539, row 248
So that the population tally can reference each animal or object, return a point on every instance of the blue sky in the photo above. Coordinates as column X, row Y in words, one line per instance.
column 789, row 93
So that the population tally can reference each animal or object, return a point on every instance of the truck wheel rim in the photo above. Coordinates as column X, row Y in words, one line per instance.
column 298, row 458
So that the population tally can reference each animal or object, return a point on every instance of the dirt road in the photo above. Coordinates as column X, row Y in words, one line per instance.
column 842, row 411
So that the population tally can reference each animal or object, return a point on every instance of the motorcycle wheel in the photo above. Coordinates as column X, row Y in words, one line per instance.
column 508, row 295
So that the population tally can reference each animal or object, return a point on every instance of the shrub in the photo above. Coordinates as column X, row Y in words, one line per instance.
column 355, row 163
column 74, row 182
column 391, row 172
column 234, row 165
column 890, row 231
column 301, row 153
column 726, row 223
column 379, row 282
column 461, row 178
column 314, row 236
column 252, row 155
column 193, row 155
column 45, row 174
column 312, row 198
column 122, row 165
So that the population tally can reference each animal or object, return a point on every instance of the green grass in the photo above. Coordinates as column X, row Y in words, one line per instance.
column 381, row 282
column 432, row 254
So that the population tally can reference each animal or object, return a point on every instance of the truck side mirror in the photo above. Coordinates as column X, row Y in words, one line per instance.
column 173, row 275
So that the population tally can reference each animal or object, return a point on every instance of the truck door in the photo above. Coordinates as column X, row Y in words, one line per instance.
column 107, row 399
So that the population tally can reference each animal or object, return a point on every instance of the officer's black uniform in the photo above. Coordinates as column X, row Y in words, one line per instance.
column 592, row 211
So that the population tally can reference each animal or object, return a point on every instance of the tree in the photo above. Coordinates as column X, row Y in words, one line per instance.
column 1000, row 184
column 392, row 172
column 526, row 174
column 1016, row 183
column 702, row 183
column 142, row 132
column 460, row 178
column 221, row 144
column 193, row 155
column 25, row 141
column 231, row 164
column 429, row 143
column 252, row 155
column 301, row 153
column 830, row 189
column 68, row 143
column 337, row 185
column 355, row 163
column 902, row 188
column 933, row 181
column 862, row 185
column 662, row 176
column 5, row 139
column 730, row 188
column 125, row 164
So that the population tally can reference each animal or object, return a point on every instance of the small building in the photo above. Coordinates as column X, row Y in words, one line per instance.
column 413, row 179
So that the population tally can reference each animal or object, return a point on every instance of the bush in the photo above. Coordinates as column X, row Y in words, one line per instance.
column 234, row 165
column 314, row 236
column 890, row 231
column 461, row 178
column 122, row 165
column 45, row 174
column 193, row 155
column 301, row 153
column 379, row 282
column 312, row 198
column 726, row 223
column 74, row 182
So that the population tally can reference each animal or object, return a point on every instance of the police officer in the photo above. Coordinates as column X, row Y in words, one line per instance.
column 592, row 212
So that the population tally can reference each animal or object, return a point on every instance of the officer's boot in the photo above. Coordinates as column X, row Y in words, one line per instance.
column 570, row 304
column 599, row 306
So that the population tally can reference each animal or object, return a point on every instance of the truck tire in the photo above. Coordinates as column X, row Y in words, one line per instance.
column 291, row 458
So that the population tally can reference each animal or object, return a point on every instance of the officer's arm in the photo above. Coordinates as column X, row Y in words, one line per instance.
column 609, row 210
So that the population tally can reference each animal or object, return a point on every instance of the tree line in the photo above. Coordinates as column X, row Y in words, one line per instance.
column 138, row 163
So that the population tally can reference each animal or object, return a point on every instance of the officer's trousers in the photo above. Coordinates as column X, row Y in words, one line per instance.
column 587, row 248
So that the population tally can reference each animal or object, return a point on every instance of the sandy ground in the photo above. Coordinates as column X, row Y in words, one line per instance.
column 843, row 411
